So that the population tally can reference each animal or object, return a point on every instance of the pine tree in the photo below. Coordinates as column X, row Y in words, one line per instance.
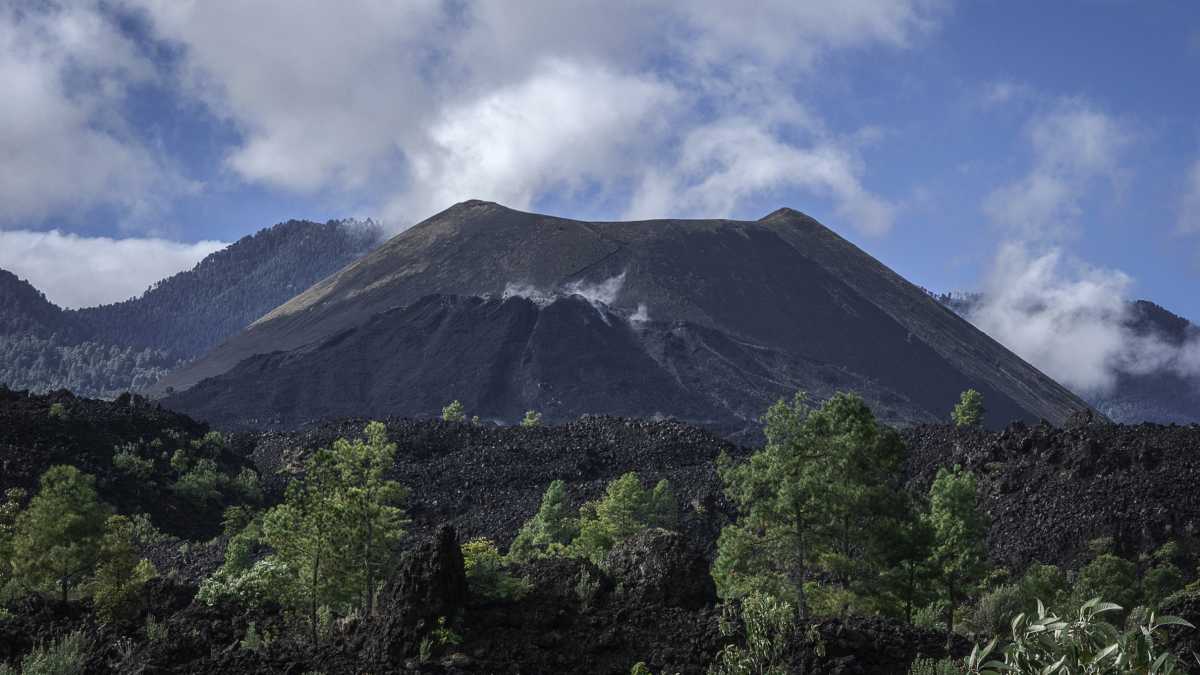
column 550, row 530
column 57, row 537
column 959, row 529
column 969, row 411
column 120, row 574
column 454, row 412
column 374, row 522
column 816, row 497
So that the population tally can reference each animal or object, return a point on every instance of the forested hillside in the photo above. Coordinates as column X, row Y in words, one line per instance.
column 102, row 351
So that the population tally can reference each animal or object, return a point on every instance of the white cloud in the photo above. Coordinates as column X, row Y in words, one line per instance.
column 75, row 271
column 64, row 144
column 1071, row 320
column 419, row 105
column 722, row 163
column 1073, row 145
column 563, row 128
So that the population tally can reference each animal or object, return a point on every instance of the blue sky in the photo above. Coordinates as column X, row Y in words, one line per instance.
column 1048, row 153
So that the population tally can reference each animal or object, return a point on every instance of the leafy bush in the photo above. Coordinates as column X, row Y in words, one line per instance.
column 764, row 625
column 486, row 575
column 1108, row 576
column 202, row 484
column 994, row 610
column 57, row 411
column 265, row 581
column 532, row 418
column 1047, row 644
column 935, row 667
column 133, row 465
column 550, row 530
column 66, row 656
column 253, row 641
column 120, row 575
column 625, row 510
column 969, row 410
column 454, row 412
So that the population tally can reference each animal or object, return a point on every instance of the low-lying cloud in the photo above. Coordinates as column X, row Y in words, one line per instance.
column 1067, row 317
column 75, row 271
column 1073, row 321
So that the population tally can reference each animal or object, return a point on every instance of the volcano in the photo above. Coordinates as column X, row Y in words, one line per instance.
column 706, row 321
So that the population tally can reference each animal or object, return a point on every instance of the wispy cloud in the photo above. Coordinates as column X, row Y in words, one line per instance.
column 76, row 271
column 417, row 105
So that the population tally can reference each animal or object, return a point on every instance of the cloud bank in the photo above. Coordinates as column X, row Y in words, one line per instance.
column 1070, row 319
column 663, row 109
column 76, row 271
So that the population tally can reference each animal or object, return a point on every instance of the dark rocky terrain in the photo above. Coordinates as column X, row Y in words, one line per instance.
column 738, row 312
column 129, row 345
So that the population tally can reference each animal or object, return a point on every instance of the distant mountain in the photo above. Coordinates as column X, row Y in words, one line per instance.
column 705, row 321
column 1163, row 396
column 102, row 351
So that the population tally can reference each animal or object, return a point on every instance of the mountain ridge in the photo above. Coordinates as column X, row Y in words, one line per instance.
column 785, row 283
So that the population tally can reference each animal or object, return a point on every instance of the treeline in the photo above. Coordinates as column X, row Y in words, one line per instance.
column 105, row 350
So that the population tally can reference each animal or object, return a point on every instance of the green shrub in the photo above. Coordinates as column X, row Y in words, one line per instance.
column 763, row 626
column 969, row 410
column 247, row 486
column 202, row 484
column 550, row 530
column 1110, row 577
column 486, row 575
column 1045, row 643
column 66, row 656
column 120, row 575
column 253, row 642
column 132, row 465
column 1160, row 582
column 993, row 612
column 155, row 630
column 625, row 510
column 935, row 667
column 265, row 581
column 454, row 412
column 57, row 411
column 532, row 418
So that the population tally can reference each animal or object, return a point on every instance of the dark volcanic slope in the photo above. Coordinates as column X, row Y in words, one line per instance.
column 784, row 286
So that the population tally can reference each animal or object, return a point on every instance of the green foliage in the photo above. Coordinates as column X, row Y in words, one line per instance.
column 255, row 642
column 1108, row 576
column 57, row 411
column 454, row 412
column 9, row 510
column 441, row 637
column 532, row 418
column 202, row 484
column 338, row 525
column 135, row 467
column 959, row 554
column 935, row 667
column 1047, row 644
column 994, row 610
column 550, row 530
column 821, row 499
column 764, row 627
column 66, row 656
column 264, row 581
column 486, row 575
column 120, row 575
column 625, row 510
column 155, row 630
column 1160, row 582
column 57, row 536
column 969, row 410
